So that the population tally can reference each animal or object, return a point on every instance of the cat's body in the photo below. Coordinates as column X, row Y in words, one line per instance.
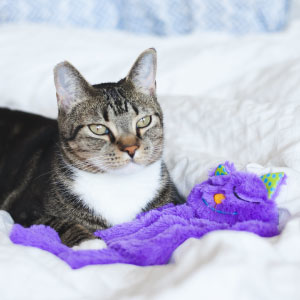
column 98, row 165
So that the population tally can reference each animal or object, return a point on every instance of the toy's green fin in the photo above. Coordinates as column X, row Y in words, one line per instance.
column 221, row 170
column 272, row 182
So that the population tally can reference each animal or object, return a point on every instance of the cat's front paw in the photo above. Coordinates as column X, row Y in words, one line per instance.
column 95, row 244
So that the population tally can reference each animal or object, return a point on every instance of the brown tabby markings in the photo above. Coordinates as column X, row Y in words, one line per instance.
column 38, row 155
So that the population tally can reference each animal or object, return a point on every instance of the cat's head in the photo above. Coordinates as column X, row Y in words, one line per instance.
column 110, row 127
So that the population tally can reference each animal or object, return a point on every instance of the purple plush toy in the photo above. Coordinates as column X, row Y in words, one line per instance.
column 229, row 199
column 241, row 200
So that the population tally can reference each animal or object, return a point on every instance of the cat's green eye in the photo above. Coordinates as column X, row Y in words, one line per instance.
column 144, row 122
column 98, row 129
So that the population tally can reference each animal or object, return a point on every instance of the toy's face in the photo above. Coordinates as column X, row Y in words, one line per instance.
column 230, row 196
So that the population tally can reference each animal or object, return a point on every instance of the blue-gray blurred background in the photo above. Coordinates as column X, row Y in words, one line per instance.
column 163, row 18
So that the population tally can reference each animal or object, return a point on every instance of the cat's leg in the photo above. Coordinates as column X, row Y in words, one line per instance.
column 95, row 244
column 74, row 234
column 71, row 234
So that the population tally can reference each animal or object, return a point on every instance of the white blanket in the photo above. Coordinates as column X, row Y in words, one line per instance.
column 226, row 98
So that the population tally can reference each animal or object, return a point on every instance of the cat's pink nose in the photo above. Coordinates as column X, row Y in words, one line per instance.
column 130, row 150
column 128, row 144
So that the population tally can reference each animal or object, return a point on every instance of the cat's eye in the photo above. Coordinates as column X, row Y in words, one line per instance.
column 98, row 129
column 144, row 122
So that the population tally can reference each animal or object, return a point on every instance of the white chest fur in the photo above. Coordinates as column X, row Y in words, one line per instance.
column 118, row 198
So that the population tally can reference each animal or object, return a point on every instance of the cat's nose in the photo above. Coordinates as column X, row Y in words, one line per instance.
column 219, row 198
column 129, row 144
column 130, row 150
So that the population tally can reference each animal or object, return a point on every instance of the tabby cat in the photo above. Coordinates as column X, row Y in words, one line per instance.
column 99, row 164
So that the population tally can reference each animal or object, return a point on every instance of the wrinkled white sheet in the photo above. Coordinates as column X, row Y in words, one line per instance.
column 227, row 98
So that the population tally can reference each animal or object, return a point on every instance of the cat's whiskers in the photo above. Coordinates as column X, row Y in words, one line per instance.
column 106, row 165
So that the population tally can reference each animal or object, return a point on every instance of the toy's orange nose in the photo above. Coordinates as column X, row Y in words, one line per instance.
column 219, row 198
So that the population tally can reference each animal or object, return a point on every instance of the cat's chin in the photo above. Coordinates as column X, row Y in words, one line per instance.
column 128, row 169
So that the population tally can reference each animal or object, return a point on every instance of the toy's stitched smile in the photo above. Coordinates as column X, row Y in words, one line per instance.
column 237, row 196
column 229, row 213
column 217, row 210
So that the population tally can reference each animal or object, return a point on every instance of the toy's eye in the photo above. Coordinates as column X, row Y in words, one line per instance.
column 98, row 129
column 244, row 198
column 144, row 122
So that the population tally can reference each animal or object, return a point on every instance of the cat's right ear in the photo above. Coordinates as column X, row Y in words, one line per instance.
column 143, row 72
column 70, row 85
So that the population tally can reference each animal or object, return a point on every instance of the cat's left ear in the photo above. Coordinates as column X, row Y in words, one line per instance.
column 143, row 72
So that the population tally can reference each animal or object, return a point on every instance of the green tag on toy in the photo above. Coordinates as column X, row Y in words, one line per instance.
column 221, row 170
column 271, row 181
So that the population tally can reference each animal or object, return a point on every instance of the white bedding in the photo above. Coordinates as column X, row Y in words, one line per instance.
column 224, row 98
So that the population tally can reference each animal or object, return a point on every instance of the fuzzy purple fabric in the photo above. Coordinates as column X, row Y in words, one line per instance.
column 152, row 237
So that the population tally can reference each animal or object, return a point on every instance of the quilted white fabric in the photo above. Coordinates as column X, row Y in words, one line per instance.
column 225, row 99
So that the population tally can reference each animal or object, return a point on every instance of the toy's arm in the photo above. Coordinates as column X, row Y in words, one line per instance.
column 258, row 227
column 263, row 228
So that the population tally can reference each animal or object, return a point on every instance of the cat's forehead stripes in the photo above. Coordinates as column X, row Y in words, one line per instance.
column 117, row 102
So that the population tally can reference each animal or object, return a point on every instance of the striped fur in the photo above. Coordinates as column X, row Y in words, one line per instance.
column 40, row 158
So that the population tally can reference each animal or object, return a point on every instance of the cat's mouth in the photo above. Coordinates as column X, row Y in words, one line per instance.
column 129, row 168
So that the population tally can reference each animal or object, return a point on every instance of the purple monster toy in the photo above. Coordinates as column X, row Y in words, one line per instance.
column 229, row 199
column 241, row 200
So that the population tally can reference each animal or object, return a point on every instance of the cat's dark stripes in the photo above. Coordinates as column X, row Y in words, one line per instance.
column 57, row 172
